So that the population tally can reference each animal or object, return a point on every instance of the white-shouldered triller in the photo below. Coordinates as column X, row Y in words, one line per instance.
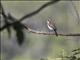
column 51, row 26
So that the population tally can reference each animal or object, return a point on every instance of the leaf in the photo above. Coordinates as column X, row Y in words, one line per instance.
column 8, row 28
column 78, row 59
column 78, row 49
column 19, row 32
column 73, row 58
column 20, row 37
column 76, row 53
column 18, row 27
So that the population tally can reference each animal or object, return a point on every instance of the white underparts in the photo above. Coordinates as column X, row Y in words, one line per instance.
column 49, row 27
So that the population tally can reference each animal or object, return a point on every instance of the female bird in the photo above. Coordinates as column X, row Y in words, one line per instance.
column 51, row 26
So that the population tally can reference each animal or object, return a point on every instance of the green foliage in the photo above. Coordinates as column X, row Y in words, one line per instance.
column 78, row 59
column 74, row 55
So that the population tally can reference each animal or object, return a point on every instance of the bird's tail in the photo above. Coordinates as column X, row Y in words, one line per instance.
column 56, row 33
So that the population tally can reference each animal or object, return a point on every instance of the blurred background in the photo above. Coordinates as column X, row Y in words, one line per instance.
column 37, row 46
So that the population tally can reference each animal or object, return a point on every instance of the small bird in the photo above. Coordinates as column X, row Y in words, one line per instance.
column 51, row 26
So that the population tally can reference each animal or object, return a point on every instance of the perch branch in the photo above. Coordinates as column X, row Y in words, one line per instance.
column 48, row 33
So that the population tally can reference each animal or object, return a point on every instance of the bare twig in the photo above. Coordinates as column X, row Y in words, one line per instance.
column 30, row 14
column 38, row 10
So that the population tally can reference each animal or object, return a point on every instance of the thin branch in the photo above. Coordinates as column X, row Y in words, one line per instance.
column 30, row 14
column 3, row 12
column 48, row 33
column 76, row 11
column 38, row 10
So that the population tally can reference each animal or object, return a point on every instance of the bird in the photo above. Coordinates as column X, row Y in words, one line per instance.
column 51, row 26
